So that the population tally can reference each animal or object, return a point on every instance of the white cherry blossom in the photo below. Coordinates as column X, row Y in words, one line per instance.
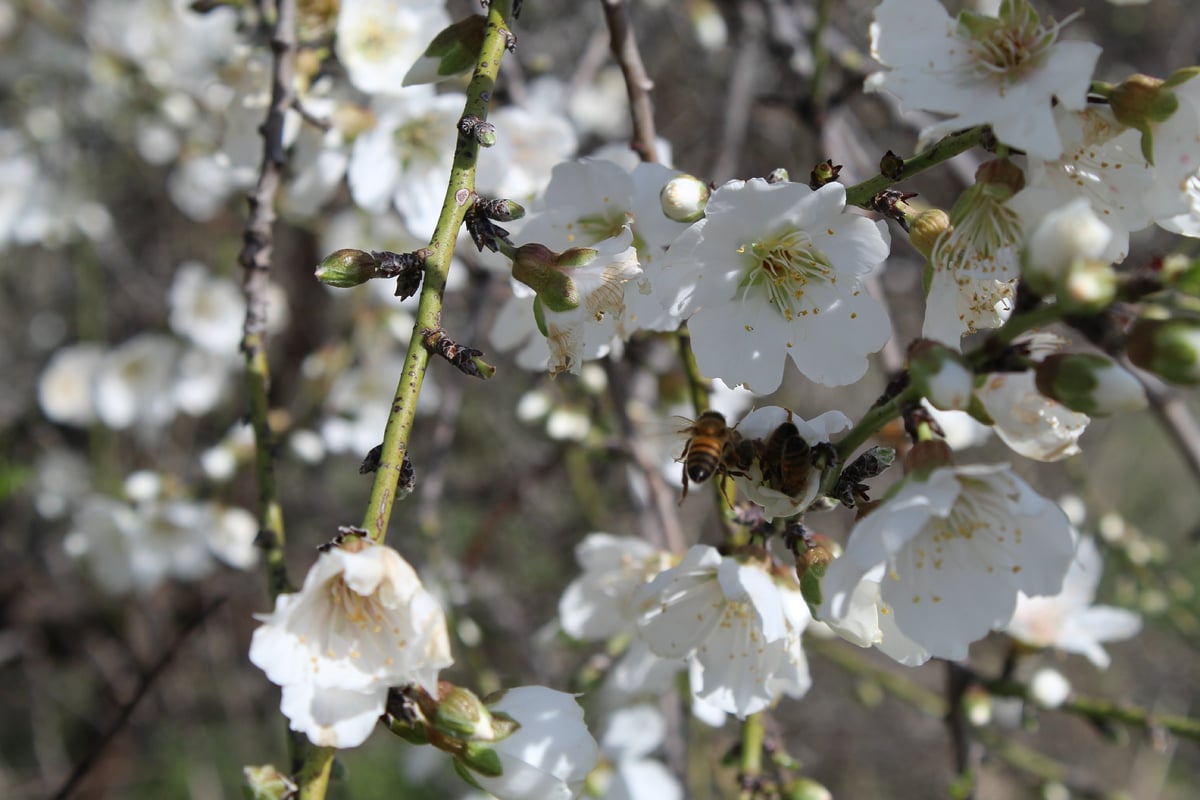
column 957, row 546
column 599, row 603
column 1029, row 422
column 361, row 624
column 774, row 272
column 1068, row 621
column 550, row 754
column 378, row 41
column 738, row 628
column 760, row 424
column 1003, row 71
column 975, row 265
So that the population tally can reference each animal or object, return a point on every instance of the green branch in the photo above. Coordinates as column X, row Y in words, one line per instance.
column 945, row 149
column 459, row 195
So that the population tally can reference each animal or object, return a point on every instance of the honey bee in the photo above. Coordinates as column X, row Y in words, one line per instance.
column 784, row 457
column 712, row 447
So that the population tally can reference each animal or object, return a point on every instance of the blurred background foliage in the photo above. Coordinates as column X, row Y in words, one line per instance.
column 500, row 504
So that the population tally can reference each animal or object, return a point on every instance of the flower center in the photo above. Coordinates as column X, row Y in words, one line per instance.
column 595, row 229
column 360, row 610
column 1006, row 46
column 782, row 268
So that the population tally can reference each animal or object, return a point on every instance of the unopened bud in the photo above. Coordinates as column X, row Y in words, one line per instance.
column 538, row 267
column 1089, row 286
column 266, row 783
column 823, row 173
column 977, row 706
column 503, row 210
column 1048, row 688
column 480, row 757
column 1064, row 237
column 926, row 228
column 807, row 789
column 1138, row 102
column 940, row 375
column 779, row 175
column 683, row 198
column 1088, row 383
column 461, row 714
column 1182, row 273
column 347, row 268
column 1170, row 348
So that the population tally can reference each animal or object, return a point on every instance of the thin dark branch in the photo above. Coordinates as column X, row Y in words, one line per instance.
column 1172, row 411
column 255, row 259
column 967, row 751
column 148, row 680
column 637, row 83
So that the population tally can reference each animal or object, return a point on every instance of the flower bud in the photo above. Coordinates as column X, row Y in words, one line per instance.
column 1170, row 348
column 503, row 210
column 823, row 173
column 780, row 175
column 683, row 198
column 1090, row 384
column 481, row 757
column 926, row 228
column 539, row 268
column 1064, row 236
column 807, row 789
column 266, row 783
column 1138, row 102
column 1089, row 286
column 940, row 374
column 461, row 714
column 977, row 706
column 1048, row 688
column 347, row 268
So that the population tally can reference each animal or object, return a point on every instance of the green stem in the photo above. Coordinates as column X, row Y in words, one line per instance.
column 753, row 736
column 1104, row 710
column 873, row 421
column 313, row 779
column 943, row 150
column 698, row 385
column 459, row 194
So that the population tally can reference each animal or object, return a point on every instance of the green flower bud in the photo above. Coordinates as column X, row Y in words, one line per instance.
column 1138, row 102
column 461, row 714
column 347, row 268
column 539, row 268
column 941, row 375
column 480, row 757
column 1089, row 286
column 505, row 210
column 807, row 789
column 1170, row 348
column 683, row 198
column 1090, row 384
column 823, row 173
column 927, row 228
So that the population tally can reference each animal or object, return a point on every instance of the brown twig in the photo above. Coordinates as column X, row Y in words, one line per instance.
column 1174, row 415
column 255, row 258
column 637, row 83
column 966, row 749
column 148, row 680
